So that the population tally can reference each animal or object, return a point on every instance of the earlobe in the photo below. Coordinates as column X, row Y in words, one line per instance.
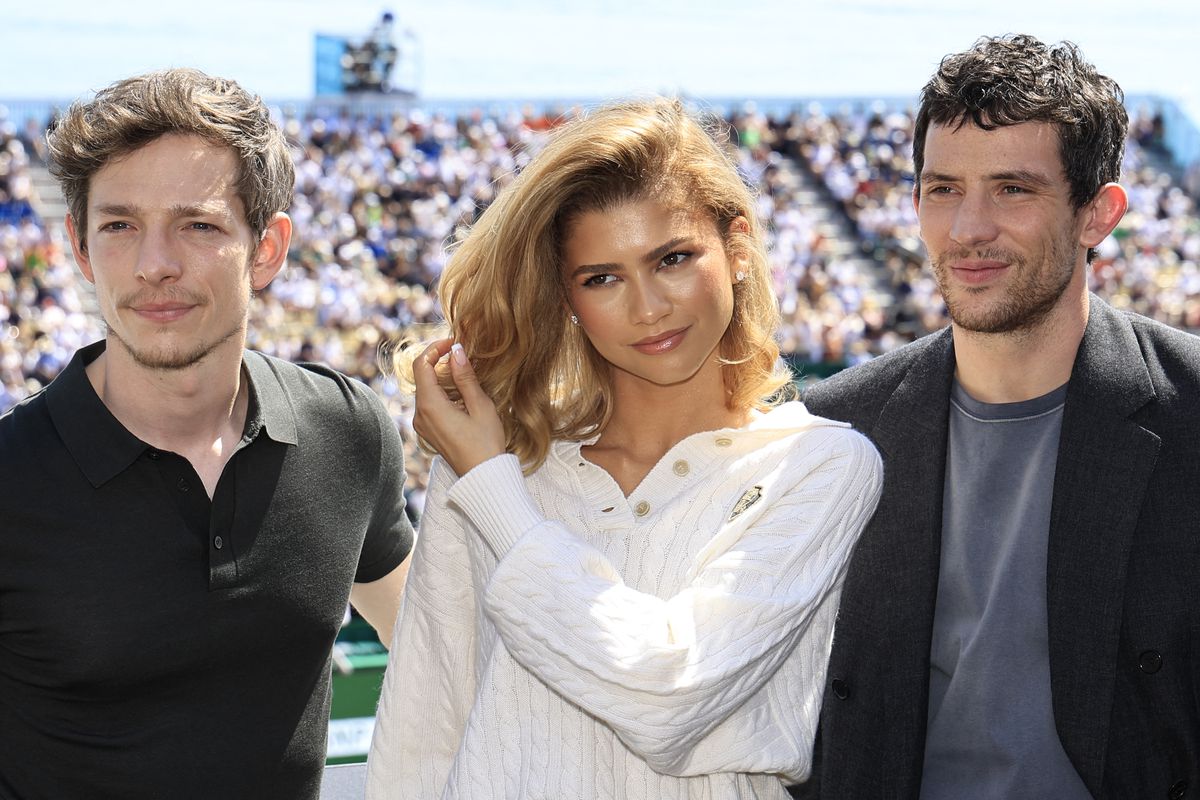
column 741, row 268
column 739, row 262
column 1103, row 214
column 272, row 250
column 79, row 250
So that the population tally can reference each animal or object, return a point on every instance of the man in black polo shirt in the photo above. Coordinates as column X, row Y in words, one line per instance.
column 181, row 520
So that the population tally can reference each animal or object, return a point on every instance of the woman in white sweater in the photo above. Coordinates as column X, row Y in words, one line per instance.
column 632, row 549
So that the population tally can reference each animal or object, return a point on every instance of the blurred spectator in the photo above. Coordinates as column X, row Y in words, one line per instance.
column 379, row 200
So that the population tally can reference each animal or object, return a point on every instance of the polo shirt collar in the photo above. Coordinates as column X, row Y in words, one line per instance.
column 270, row 405
column 103, row 448
column 100, row 445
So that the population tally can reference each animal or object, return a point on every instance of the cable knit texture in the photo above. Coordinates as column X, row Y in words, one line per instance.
column 559, row 640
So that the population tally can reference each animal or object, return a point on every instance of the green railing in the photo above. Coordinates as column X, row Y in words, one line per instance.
column 358, row 663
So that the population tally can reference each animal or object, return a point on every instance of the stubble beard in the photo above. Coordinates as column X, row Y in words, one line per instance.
column 1026, row 302
column 170, row 357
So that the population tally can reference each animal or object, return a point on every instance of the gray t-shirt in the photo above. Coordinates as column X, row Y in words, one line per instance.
column 991, row 726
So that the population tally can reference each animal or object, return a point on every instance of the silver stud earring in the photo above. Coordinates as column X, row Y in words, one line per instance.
column 740, row 276
column 574, row 320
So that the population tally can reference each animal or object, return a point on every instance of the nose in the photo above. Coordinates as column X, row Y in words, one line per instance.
column 974, row 222
column 650, row 301
column 158, row 257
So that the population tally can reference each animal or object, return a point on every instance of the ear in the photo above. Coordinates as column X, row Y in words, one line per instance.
column 916, row 198
column 740, row 260
column 79, row 249
column 1102, row 214
column 272, row 251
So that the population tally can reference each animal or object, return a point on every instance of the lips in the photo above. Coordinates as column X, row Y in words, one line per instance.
column 660, row 342
column 977, row 271
column 162, row 312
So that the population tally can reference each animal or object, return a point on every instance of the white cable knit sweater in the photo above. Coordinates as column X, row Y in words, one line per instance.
column 559, row 640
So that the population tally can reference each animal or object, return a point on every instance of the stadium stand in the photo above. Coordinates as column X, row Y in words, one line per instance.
column 379, row 196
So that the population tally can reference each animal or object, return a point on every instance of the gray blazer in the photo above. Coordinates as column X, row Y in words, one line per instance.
column 1123, row 572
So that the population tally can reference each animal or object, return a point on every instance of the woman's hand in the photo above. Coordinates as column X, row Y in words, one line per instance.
column 465, row 434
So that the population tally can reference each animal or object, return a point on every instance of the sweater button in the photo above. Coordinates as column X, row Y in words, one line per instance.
column 1150, row 662
column 1177, row 791
column 642, row 508
column 840, row 689
column 681, row 468
column 724, row 441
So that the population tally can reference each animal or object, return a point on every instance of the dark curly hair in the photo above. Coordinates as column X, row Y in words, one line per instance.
column 1007, row 80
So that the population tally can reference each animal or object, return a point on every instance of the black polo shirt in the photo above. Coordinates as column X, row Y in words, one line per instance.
column 154, row 644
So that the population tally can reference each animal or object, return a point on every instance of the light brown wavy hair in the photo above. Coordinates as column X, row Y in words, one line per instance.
column 134, row 112
column 505, row 298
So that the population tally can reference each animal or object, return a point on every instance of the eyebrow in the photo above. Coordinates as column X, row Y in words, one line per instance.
column 178, row 210
column 1017, row 176
column 654, row 255
column 116, row 210
column 1023, row 176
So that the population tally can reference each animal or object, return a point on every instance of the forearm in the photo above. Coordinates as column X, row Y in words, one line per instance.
column 379, row 601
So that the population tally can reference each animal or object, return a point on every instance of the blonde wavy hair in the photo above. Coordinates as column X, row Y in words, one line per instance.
column 505, row 299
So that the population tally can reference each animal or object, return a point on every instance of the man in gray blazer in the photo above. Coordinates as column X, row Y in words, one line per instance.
column 1021, row 618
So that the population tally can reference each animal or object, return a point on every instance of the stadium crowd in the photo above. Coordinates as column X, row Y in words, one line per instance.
column 43, row 317
column 1149, row 265
column 378, row 198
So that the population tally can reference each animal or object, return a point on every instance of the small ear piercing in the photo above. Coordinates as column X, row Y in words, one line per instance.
column 574, row 320
column 740, row 276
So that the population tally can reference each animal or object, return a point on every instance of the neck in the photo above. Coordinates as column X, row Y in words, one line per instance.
column 648, row 419
column 198, row 411
column 1024, row 364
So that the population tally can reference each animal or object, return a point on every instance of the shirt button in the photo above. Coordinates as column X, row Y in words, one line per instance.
column 1178, row 790
column 154, row 455
column 840, row 690
column 724, row 441
column 642, row 508
column 218, row 542
column 681, row 468
column 1150, row 662
column 183, row 485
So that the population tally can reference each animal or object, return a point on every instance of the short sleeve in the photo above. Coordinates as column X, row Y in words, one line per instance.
column 389, row 536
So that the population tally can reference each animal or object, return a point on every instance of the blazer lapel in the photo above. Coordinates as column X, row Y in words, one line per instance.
column 1104, row 463
column 911, row 434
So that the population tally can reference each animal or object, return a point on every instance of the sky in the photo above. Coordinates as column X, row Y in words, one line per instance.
column 550, row 49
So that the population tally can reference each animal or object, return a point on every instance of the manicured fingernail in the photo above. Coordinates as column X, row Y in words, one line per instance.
column 460, row 357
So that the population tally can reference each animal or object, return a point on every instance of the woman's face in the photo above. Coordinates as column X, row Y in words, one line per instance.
column 653, row 289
